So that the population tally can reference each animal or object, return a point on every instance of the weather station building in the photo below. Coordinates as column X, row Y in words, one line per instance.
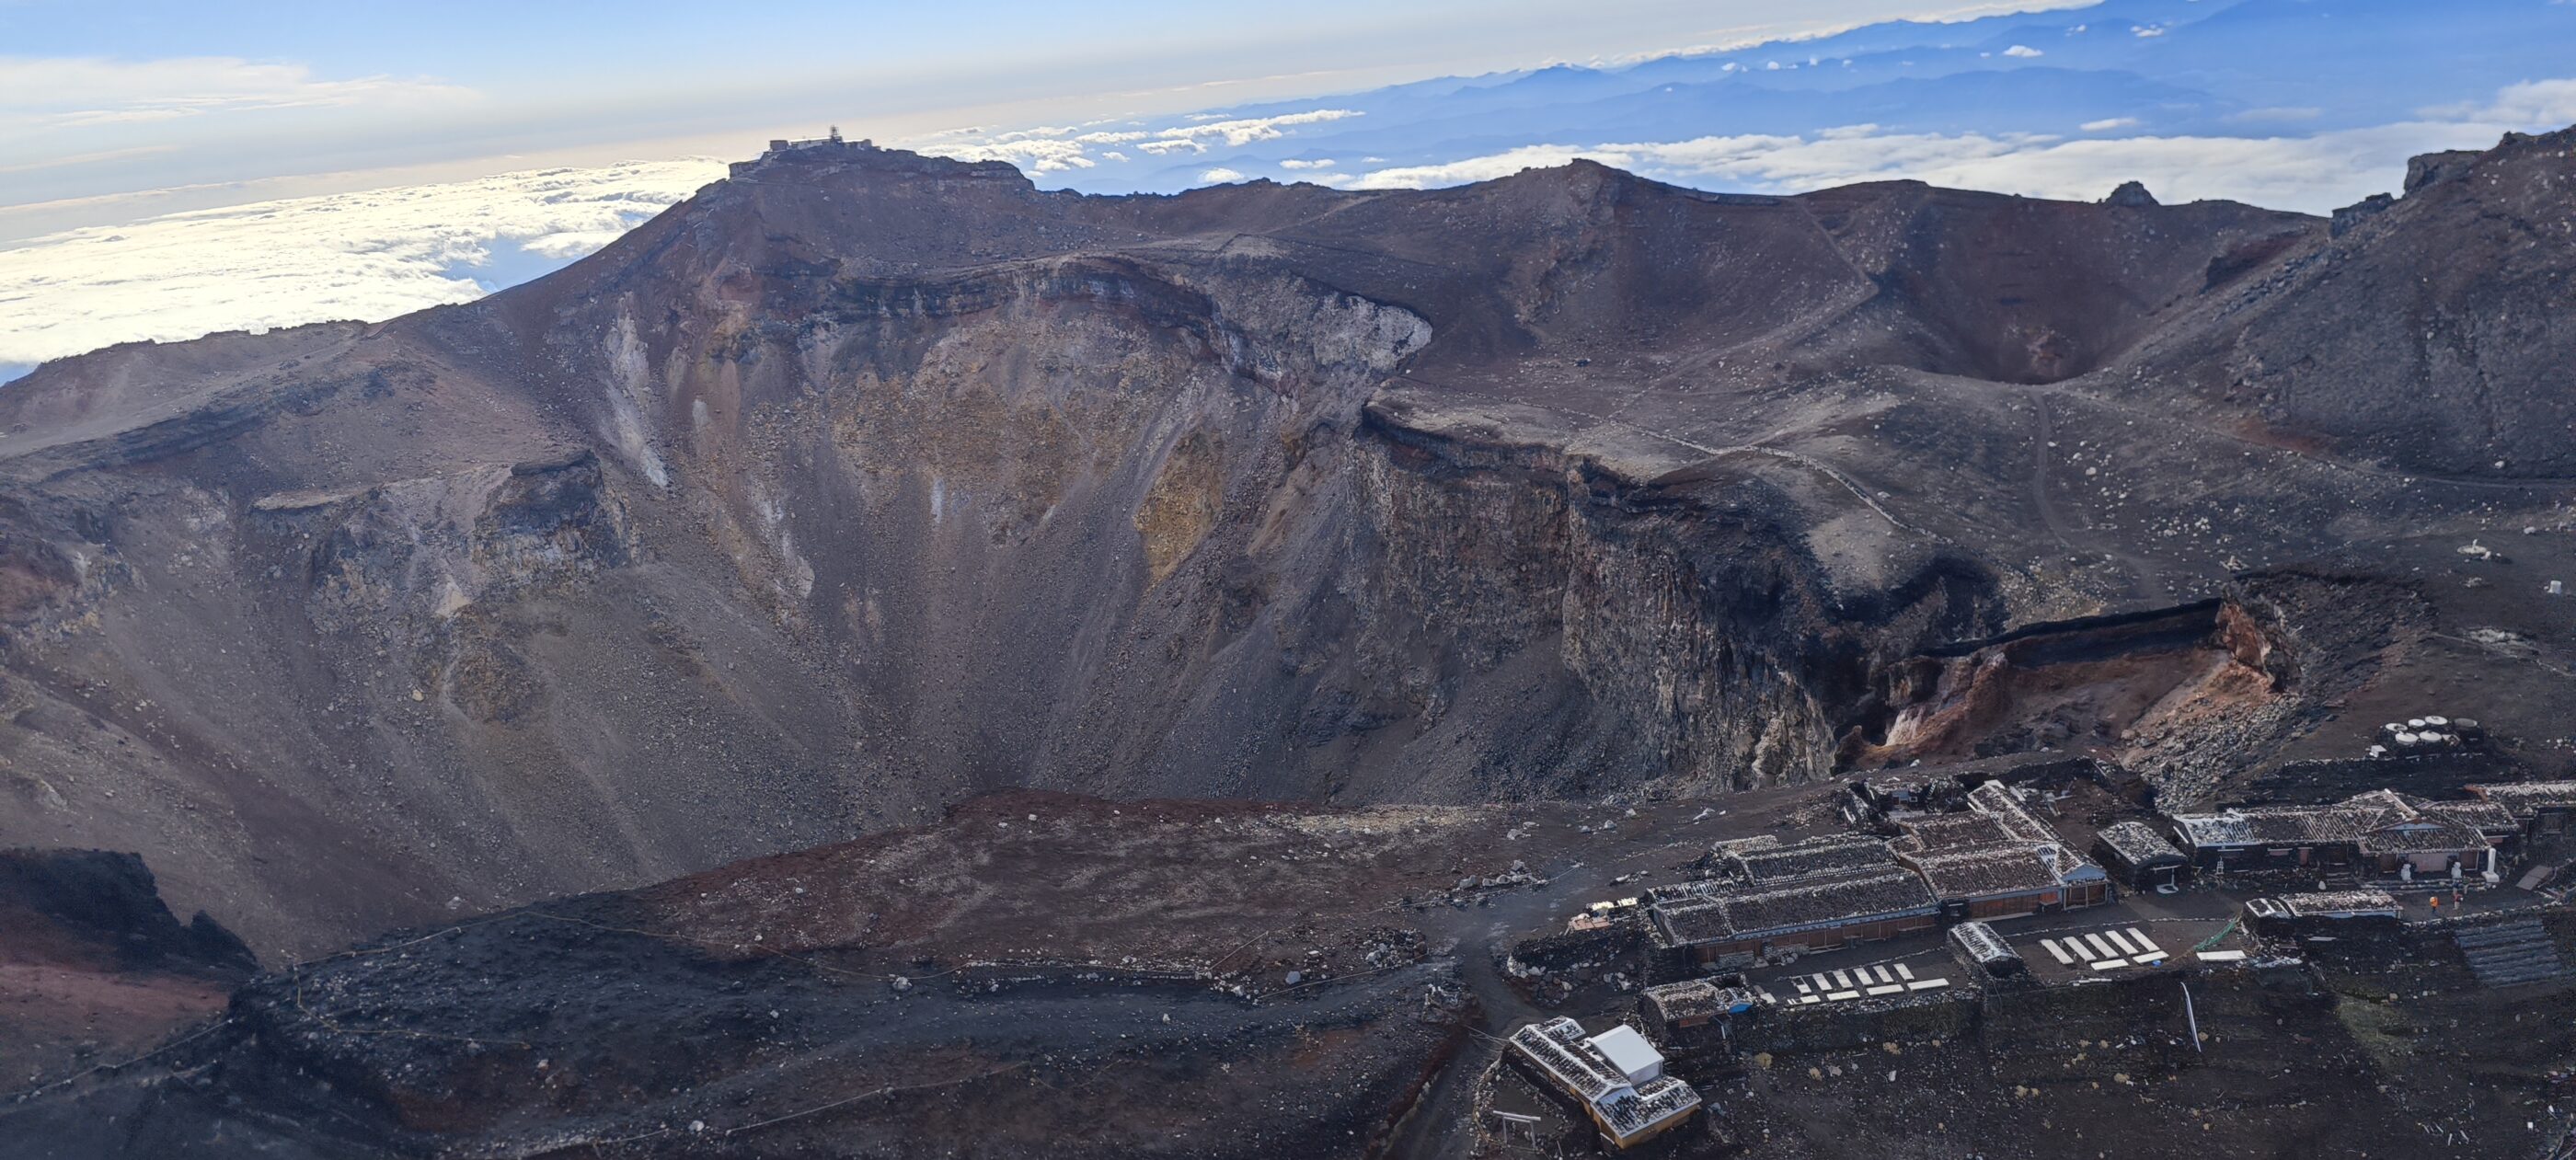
column 816, row 148
column 1977, row 946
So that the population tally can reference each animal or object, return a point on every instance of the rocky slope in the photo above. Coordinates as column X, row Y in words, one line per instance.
column 1032, row 974
column 1044, row 975
column 864, row 481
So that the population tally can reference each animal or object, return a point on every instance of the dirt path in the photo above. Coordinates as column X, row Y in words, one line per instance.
column 1438, row 1126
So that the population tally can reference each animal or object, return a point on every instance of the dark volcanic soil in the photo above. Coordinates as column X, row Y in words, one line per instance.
column 1113, row 979
column 1037, row 975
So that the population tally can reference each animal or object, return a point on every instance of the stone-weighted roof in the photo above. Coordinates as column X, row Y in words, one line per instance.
column 2381, row 821
column 2138, row 844
column 1726, row 914
column 2523, row 799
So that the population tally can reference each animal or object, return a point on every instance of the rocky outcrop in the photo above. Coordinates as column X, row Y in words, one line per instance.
column 2426, row 168
column 2350, row 217
column 104, row 908
column 2427, row 342
column 93, row 966
column 2132, row 194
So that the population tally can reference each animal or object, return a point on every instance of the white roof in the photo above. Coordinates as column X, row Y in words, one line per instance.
column 1628, row 1051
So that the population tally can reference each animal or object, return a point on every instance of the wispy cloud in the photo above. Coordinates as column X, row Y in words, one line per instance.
column 82, row 92
column 2279, row 114
column 85, row 158
column 2545, row 104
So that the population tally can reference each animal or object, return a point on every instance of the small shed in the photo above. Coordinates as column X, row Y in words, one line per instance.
column 2140, row 857
column 1672, row 1010
column 2330, row 914
column 1978, row 946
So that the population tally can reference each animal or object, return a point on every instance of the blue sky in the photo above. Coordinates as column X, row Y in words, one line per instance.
column 121, row 98
column 170, row 169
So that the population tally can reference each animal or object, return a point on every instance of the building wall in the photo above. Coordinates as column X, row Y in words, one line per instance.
column 2141, row 875
column 2072, row 897
column 2338, row 857
column 1828, row 938
column 2007, row 906
column 2152, row 874
column 1945, row 1014
column 2436, row 864
column 1641, row 1137
column 2278, row 857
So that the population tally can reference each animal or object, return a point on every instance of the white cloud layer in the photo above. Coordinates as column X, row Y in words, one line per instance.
column 2315, row 173
column 1058, row 149
column 367, row 255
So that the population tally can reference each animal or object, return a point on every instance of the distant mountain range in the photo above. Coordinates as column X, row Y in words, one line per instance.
column 2122, row 70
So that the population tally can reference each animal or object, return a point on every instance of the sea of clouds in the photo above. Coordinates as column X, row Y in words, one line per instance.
column 368, row 255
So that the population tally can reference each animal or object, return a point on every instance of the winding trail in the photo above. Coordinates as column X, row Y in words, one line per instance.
column 1437, row 1124
column 1707, row 452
